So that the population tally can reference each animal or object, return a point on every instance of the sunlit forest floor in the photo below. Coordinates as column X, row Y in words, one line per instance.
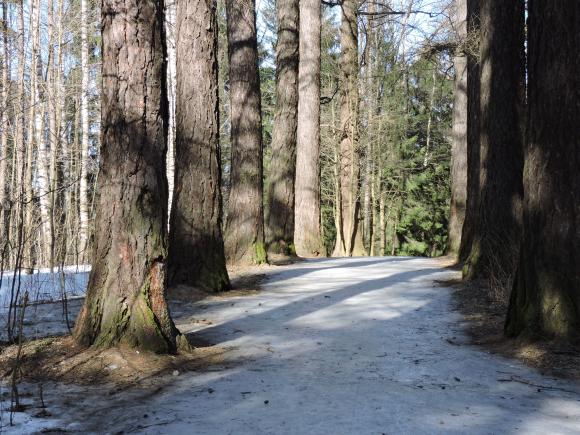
column 360, row 345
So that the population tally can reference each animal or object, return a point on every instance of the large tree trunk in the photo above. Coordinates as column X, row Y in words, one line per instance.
column 349, row 152
column 473, row 154
column 125, row 301
column 497, row 235
column 459, row 138
column 280, row 220
column 546, row 297
column 307, row 230
column 245, row 222
column 196, row 248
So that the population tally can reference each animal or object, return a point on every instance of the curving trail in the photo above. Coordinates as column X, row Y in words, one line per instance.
column 347, row 346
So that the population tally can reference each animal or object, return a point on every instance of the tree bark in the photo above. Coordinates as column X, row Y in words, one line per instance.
column 546, row 298
column 244, row 242
column 307, row 230
column 125, row 301
column 280, row 218
column 196, row 247
column 459, row 134
column 495, row 246
column 349, row 151
column 473, row 152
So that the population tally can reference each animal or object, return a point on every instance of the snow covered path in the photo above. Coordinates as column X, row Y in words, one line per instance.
column 344, row 346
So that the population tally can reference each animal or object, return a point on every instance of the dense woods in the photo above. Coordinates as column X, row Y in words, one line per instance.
column 160, row 143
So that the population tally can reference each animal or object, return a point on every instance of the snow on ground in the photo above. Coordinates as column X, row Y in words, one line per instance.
column 43, row 318
column 43, row 285
column 337, row 346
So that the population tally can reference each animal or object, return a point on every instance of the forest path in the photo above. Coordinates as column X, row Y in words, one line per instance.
column 352, row 346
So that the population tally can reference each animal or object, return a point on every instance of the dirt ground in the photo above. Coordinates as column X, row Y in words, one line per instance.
column 57, row 358
column 484, row 322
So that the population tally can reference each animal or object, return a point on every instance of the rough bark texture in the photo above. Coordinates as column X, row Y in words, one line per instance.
column 245, row 222
column 459, row 139
column 350, row 242
column 495, row 246
column 196, row 248
column 546, row 297
column 125, row 301
column 473, row 157
column 307, row 230
column 280, row 219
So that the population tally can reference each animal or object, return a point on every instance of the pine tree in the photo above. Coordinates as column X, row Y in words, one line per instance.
column 244, row 236
column 496, row 239
column 280, row 211
column 546, row 298
column 349, row 237
column 125, row 302
column 307, row 231
column 196, row 249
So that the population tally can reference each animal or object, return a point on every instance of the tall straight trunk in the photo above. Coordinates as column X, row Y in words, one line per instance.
column 43, row 140
column 495, row 246
column 18, row 188
column 33, row 140
column 125, row 301
column 307, row 228
column 546, row 298
column 196, row 247
column 4, row 179
column 473, row 146
column 84, row 154
column 459, row 135
column 280, row 217
column 382, row 225
column 54, row 111
column 244, row 241
column 171, row 37
column 371, row 56
column 349, row 151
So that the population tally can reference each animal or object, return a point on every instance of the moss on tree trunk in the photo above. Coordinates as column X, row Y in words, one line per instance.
column 125, row 302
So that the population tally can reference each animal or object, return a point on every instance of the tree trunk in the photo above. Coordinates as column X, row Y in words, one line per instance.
column 307, row 231
column 280, row 220
column 171, row 42
column 125, row 301
column 196, row 247
column 43, row 141
column 18, row 189
column 497, row 235
column 459, row 135
column 32, row 142
column 473, row 152
column 84, row 155
column 4, row 179
column 349, row 152
column 244, row 242
column 546, row 297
